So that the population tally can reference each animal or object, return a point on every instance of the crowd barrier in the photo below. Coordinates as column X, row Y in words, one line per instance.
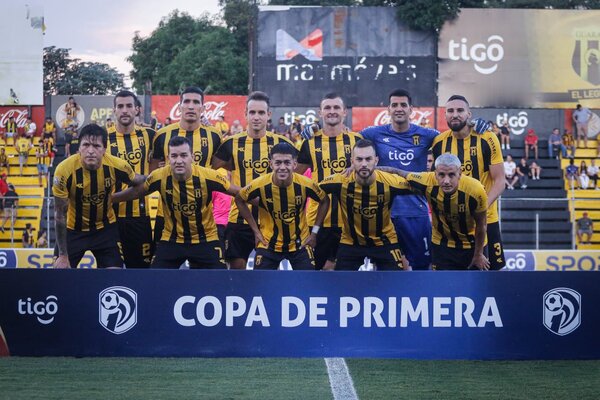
column 417, row 315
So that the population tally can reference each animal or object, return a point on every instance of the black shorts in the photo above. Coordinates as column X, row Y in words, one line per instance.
column 207, row 255
column 328, row 241
column 495, row 248
column 221, row 232
column 302, row 259
column 138, row 246
column 387, row 258
column 104, row 245
column 239, row 241
column 159, row 225
column 446, row 258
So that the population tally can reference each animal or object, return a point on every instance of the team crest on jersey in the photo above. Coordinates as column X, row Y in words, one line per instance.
column 347, row 149
column 198, row 193
column 298, row 200
column 204, row 142
column 416, row 140
column 461, row 208
column 108, row 182
column 141, row 142
column 380, row 198
column 473, row 151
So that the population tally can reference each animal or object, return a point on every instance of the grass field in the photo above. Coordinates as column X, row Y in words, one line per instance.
column 196, row 378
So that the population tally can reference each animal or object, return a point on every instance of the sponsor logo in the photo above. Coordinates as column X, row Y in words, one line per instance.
column 517, row 123
column 20, row 117
column 117, row 309
column 416, row 117
column 309, row 117
column 519, row 261
column 311, row 47
column 212, row 110
column 187, row 209
column 562, row 310
column 133, row 158
column 483, row 54
column 404, row 157
column 44, row 310
column 8, row 259
column 259, row 166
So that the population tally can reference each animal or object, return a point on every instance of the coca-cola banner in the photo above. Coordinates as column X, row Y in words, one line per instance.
column 21, row 52
column 368, row 116
column 20, row 115
column 305, row 115
column 231, row 107
column 521, row 58
column 361, row 52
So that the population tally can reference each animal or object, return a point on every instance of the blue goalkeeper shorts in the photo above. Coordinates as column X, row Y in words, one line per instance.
column 414, row 236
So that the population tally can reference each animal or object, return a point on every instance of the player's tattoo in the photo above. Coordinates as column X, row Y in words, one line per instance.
column 393, row 170
column 60, row 219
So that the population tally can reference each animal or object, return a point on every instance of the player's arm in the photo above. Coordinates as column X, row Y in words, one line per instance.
column 61, row 206
column 223, row 157
column 479, row 260
column 499, row 178
column 131, row 193
column 217, row 163
column 322, row 209
column 395, row 171
column 304, row 160
column 245, row 212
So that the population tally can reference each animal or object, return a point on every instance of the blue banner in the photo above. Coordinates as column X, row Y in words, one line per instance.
column 419, row 315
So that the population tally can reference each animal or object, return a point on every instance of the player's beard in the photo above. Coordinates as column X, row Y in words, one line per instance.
column 457, row 128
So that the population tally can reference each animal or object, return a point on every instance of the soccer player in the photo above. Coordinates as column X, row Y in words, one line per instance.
column 246, row 155
column 327, row 152
column 133, row 144
column 190, row 232
column 365, row 198
column 205, row 139
column 282, row 196
column 84, row 217
column 481, row 158
column 459, row 204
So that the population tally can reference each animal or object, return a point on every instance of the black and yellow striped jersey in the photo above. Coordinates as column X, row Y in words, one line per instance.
column 49, row 127
column 205, row 141
column 187, row 205
column 42, row 153
column 476, row 153
column 10, row 126
column 327, row 156
column 453, row 215
column 250, row 160
column 89, row 192
column 136, row 149
column 281, row 210
column 366, row 219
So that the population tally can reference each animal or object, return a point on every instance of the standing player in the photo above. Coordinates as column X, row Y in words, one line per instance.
column 326, row 153
column 403, row 145
column 282, row 196
column 205, row 140
column 133, row 144
column 186, row 191
column 481, row 158
column 365, row 198
column 246, row 155
column 83, row 212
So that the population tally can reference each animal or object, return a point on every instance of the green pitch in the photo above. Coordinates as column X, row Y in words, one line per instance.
column 197, row 378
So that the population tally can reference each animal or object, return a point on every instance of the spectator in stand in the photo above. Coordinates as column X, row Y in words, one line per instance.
column 23, row 146
column 505, row 135
column 168, row 121
column 569, row 142
column 154, row 124
column 4, row 160
column 585, row 226
column 222, row 126
column 584, row 179
column 593, row 173
column 510, row 172
column 42, row 240
column 30, row 129
column 42, row 155
column 236, row 128
column 49, row 129
column 555, row 144
column 281, row 127
column 270, row 125
column 71, row 144
column 495, row 128
column 27, row 239
column 531, row 143
column 535, row 171
column 10, row 130
column 571, row 173
column 523, row 173
column 582, row 116
column 295, row 130
column 10, row 204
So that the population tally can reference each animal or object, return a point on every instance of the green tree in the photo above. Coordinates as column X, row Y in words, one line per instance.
column 240, row 17
column 66, row 75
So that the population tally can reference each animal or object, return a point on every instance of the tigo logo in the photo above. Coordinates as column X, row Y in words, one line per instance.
column 43, row 310
column 562, row 310
column 479, row 53
column 311, row 47
column 118, row 309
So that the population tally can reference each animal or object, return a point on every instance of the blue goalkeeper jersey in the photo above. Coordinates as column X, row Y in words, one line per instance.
column 407, row 151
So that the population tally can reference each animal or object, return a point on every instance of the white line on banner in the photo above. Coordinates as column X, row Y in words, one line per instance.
column 340, row 380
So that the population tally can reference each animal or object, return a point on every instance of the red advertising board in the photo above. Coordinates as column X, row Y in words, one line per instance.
column 20, row 114
column 363, row 117
column 232, row 107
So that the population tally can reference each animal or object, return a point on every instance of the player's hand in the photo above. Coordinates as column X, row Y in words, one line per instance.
column 347, row 172
column 259, row 238
column 480, row 262
column 307, row 132
column 62, row 262
column 480, row 125
column 310, row 241
column 405, row 264
column 329, row 265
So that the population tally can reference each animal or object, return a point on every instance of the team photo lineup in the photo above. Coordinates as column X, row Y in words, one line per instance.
column 326, row 199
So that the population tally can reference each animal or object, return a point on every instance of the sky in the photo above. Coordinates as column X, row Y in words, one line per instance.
column 102, row 30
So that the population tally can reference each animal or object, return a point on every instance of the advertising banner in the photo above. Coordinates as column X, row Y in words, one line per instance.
column 552, row 260
column 417, row 315
column 306, row 115
column 231, row 107
column 37, row 259
column 521, row 58
column 20, row 114
column 363, row 117
column 361, row 52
